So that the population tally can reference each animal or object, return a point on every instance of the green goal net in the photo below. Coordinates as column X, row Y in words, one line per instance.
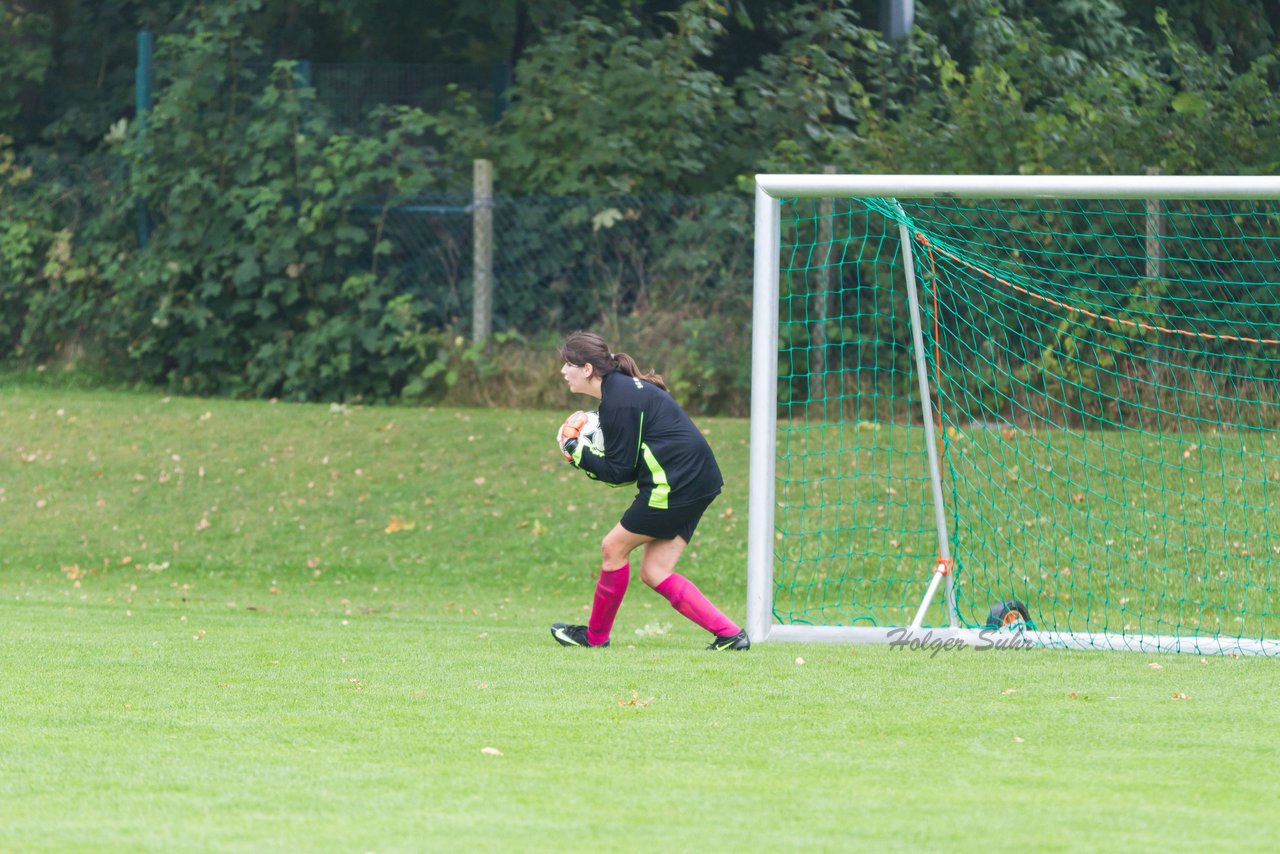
column 1100, row 399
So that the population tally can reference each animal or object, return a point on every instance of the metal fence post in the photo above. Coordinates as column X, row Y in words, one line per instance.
column 501, row 83
column 144, row 76
column 482, row 258
column 1154, row 267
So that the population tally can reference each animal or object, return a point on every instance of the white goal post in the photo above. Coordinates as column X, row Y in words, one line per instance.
column 936, row 593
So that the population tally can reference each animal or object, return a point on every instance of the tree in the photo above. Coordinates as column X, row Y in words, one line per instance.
column 25, row 60
column 599, row 107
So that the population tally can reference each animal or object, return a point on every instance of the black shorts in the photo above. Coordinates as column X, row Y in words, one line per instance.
column 667, row 524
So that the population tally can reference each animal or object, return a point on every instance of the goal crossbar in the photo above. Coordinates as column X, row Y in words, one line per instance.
column 1016, row 186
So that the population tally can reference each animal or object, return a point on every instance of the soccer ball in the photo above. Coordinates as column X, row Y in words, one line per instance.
column 588, row 424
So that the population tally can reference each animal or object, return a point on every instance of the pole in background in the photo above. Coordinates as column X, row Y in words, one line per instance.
column 1155, row 221
column 482, row 257
column 501, row 83
column 896, row 18
column 144, row 77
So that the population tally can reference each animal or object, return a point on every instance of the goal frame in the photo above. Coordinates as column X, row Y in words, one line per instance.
column 770, row 189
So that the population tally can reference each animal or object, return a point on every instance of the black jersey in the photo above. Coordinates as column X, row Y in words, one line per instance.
column 651, row 442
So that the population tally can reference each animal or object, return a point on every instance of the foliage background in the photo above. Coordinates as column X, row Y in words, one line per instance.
column 282, row 261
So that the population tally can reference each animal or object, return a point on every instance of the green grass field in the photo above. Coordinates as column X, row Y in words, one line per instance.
column 254, row 626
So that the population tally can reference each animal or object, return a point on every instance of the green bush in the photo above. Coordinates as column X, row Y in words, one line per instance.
column 63, row 244
column 267, row 272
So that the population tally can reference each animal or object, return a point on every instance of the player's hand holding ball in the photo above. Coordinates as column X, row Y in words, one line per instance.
column 580, row 431
column 570, row 432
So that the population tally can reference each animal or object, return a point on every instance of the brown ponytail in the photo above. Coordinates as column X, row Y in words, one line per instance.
column 588, row 348
column 627, row 365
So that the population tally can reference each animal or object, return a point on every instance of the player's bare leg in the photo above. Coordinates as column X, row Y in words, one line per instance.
column 611, row 586
column 618, row 545
column 658, row 570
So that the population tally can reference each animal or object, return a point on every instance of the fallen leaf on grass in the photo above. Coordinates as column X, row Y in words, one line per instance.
column 634, row 701
column 1178, row 695
column 397, row 524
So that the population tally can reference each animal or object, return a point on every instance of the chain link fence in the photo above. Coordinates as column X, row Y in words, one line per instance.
column 557, row 263
column 348, row 91
column 561, row 263
column 666, row 277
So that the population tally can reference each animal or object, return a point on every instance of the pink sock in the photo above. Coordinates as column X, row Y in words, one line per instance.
column 686, row 598
column 609, row 592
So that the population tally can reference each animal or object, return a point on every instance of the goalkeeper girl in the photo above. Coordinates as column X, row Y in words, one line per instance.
column 651, row 442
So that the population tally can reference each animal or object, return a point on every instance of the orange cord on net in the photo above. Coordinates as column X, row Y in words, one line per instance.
column 1086, row 312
